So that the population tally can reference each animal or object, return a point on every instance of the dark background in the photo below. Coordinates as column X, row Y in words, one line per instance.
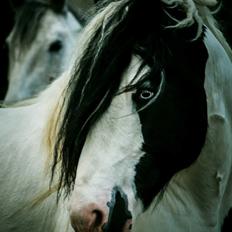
column 6, row 24
column 225, row 19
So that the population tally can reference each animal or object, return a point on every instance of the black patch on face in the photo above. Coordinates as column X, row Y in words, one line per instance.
column 227, row 225
column 174, row 125
column 119, row 213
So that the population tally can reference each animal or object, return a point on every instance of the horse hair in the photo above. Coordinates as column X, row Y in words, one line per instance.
column 97, row 77
column 27, row 22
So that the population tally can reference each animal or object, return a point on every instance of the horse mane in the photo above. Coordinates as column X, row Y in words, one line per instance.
column 213, row 25
column 27, row 21
column 111, row 38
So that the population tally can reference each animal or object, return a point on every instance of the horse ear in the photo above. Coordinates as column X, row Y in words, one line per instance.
column 58, row 5
column 16, row 4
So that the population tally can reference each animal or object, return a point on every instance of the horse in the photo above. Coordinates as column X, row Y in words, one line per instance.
column 135, row 136
column 40, row 46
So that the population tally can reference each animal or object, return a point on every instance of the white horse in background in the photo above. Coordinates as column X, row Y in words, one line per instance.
column 137, row 132
column 40, row 46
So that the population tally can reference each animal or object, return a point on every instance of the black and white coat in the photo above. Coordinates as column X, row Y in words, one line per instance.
column 100, row 161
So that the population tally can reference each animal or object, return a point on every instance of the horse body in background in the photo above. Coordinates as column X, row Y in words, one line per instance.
column 138, row 131
column 40, row 46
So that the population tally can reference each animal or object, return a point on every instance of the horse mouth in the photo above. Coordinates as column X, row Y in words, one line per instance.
column 120, row 218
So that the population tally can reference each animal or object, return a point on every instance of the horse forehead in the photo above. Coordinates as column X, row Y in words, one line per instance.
column 73, row 23
column 50, row 24
column 53, row 23
column 130, row 73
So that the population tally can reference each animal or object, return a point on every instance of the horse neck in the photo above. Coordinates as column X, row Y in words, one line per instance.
column 218, row 149
column 212, row 24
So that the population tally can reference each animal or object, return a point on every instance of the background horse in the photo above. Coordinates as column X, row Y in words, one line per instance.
column 40, row 46
column 139, row 127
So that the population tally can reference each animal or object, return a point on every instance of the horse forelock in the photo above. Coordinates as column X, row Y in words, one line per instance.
column 113, row 40
column 27, row 22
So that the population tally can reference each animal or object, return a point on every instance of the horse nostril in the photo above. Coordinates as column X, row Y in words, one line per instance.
column 99, row 218
column 87, row 219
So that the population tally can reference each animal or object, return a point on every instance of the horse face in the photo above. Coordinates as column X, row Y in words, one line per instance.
column 121, row 150
column 145, row 136
column 107, row 164
column 33, row 64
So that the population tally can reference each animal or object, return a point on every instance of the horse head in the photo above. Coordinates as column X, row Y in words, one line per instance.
column 135, row 113
column 40, row 46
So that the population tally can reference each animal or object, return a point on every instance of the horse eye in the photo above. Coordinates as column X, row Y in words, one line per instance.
column 55, row 46
column 142, row 96
column 51, row 79
column 146, row 94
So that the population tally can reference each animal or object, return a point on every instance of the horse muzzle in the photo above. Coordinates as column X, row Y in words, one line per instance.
column 97, row 218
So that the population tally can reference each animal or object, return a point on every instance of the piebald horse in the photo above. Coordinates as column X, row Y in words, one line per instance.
column 40, row 46
column 136, row 136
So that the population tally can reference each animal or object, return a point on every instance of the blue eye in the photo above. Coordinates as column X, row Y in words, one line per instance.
column 148, row 90
column 146, row 94
column 143, row 96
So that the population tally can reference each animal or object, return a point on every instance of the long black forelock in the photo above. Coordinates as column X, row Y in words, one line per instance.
column 27, row 22
column 133, row 29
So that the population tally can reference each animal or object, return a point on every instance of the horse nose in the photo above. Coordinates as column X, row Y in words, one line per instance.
column 89, row 218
